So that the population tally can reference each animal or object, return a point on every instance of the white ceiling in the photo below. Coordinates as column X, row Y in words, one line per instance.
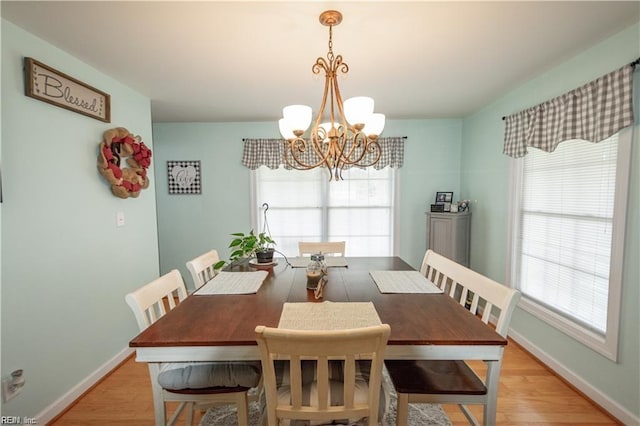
column 243, row 61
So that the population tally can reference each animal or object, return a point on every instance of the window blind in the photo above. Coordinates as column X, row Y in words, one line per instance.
column 305, row 206
column 566, row 221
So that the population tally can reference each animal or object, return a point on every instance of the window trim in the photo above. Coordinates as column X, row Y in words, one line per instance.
column 606, row 345
column 396, row 212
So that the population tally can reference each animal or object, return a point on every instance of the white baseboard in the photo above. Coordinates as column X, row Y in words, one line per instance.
column 67, row 399
column 615, row 409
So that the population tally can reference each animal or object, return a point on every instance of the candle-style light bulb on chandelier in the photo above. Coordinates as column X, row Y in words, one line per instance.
column 348, row 138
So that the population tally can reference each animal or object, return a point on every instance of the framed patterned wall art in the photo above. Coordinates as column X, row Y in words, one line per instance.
column 183, row 177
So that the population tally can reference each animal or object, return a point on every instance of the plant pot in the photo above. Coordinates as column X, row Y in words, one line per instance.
column 265, row 256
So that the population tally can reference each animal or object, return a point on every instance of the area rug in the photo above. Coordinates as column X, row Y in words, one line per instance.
column 419, row 414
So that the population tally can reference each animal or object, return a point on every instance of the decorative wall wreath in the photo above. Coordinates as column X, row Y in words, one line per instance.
column 118, row 143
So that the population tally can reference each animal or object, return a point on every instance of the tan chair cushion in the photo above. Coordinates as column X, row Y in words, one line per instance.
column 198, row 375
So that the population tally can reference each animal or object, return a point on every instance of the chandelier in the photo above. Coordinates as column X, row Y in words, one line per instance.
column 348, row 138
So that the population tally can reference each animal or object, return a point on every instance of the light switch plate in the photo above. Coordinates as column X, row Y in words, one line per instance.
column 120, row 219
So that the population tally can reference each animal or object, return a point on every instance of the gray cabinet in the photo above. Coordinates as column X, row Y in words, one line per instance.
column 449, row 235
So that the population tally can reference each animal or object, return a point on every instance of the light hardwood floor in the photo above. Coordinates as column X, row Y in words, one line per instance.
column 529, row 395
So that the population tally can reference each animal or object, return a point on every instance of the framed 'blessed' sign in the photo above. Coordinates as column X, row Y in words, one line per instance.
column 49, row 85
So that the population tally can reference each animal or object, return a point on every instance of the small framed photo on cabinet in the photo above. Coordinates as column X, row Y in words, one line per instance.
column 444, row 198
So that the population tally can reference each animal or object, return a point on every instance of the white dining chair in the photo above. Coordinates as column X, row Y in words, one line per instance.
column 192, row 384
column 453, row 381
column 328, row 248
column 324, row 397
column 201, row 268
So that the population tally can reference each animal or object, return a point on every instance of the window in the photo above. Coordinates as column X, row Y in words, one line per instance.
column 306, row 206
column 567, row 236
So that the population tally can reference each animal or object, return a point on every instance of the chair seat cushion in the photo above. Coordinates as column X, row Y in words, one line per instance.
column 336, row 389
column 434, row 377
column 200, row 375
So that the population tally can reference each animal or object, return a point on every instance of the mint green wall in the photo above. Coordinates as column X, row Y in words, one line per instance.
column 65, row 266
column 189, row 225
column 485, row 177
column 431, row 164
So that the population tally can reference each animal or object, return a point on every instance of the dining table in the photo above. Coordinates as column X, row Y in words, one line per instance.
column 219, row 327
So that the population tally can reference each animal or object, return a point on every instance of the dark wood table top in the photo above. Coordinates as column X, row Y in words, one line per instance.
column 230, row 320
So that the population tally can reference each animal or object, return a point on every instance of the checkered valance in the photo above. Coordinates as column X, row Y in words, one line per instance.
column 592, row 112
column 270, row 153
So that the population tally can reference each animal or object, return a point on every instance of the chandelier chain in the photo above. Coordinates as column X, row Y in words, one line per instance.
column 330, row 54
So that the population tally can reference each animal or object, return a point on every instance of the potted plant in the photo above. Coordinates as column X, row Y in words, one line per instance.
column 250, row 245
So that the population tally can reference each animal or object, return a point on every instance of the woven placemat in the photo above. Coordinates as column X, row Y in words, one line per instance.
column 331, row 261
column 328, row 315
column 403, row 282
column 233, row 283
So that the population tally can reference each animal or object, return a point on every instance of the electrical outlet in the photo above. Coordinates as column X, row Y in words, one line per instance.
column 8, row 391
column 11, row 386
